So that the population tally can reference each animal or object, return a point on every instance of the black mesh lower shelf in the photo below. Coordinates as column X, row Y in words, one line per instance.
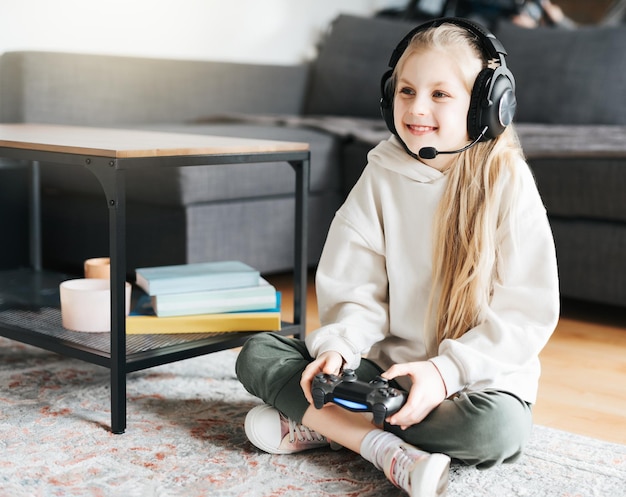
column 30, row 313
column 47, row 321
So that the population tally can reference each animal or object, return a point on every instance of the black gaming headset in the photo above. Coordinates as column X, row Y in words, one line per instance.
column 492, row 104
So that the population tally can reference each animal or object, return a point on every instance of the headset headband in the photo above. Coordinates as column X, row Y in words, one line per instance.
column 489, row 43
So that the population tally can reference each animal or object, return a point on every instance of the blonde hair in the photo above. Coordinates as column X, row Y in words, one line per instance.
column 475, row 205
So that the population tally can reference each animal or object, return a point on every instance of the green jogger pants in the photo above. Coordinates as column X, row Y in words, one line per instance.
column 477, row 428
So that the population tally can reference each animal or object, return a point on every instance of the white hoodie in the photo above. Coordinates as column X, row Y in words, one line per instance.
column 374, row 279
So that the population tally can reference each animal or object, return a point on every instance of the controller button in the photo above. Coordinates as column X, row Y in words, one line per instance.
column 349, row 375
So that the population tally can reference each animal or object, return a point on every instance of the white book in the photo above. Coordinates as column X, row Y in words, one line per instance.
column 253, row 298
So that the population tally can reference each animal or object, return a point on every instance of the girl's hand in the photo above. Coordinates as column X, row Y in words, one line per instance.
column 327, row 362
column 427, row 392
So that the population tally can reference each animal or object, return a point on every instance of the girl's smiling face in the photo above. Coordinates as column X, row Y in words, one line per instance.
column 432, row 100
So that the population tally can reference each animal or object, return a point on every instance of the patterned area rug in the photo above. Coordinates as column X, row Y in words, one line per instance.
column 185, row 438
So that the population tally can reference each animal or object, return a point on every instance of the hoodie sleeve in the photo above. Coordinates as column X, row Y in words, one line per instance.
column 523, row 311
column 351, row 281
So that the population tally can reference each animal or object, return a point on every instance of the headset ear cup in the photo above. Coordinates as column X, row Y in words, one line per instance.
column 503, row 96
column 492, row 104
column 387, row 91
column 478, row 102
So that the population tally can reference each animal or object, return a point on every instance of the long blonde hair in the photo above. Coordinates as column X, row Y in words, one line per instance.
column 475, row 205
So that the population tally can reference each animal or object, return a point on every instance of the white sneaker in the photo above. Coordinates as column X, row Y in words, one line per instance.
column 418, row 473
column 273, row 432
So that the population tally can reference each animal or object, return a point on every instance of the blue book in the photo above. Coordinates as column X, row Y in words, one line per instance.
column 144, row 307
column 196, row 277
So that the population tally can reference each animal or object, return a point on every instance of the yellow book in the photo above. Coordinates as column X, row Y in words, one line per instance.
column 203, row 323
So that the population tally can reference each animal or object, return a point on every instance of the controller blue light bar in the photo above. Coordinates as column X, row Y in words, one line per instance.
column 357, row 406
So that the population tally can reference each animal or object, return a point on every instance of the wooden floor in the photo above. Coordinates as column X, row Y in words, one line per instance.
column 583, row 384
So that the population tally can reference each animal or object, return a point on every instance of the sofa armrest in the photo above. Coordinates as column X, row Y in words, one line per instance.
column 86, row 89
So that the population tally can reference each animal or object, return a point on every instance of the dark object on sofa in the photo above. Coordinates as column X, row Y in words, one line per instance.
column 571, row 120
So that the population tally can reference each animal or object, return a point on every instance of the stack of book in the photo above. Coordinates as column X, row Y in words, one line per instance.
column 205, row 297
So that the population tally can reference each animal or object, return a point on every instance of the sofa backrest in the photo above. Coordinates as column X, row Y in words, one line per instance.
column 563, row 76
column 86, row 89
column 354, row 54
column 568, row 76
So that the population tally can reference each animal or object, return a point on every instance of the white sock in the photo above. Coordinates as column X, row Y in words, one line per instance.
column 375, row 445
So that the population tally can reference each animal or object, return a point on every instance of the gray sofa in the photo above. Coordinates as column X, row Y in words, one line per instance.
column 174, row 215
column 571, row 119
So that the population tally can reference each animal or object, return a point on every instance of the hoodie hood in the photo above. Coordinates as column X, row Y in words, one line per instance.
column 390, row 154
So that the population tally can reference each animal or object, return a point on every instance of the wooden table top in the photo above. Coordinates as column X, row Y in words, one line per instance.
column 121, row 143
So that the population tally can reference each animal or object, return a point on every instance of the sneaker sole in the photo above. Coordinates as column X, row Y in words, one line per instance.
column 437, row 464
column 254, row 436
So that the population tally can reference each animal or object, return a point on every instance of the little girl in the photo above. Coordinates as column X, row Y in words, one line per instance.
column 439, row 273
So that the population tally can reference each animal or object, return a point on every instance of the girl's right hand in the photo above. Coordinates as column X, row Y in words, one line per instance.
column 329, row 362
column 427, row 392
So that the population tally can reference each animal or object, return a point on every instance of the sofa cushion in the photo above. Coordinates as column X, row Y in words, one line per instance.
column 582, row 188
column 591, row 259
column 568, row 76
column 258, row 231
column 580, row 170
column 345, row 78
column 14, row 184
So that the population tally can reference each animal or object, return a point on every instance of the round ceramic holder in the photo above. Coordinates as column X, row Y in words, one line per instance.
column 86, row 304
column 98, row 267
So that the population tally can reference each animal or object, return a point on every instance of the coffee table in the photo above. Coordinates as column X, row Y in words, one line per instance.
column 29, row 298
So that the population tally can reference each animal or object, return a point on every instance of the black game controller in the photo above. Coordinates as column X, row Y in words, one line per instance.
column 348, row 392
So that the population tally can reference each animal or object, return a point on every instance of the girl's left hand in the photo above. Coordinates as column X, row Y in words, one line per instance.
column 427, row 392
column 329, row 362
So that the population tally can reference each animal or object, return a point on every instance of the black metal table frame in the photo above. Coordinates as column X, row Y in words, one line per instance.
column 110, row 173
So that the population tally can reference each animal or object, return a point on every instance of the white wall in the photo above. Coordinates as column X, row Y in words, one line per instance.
column 266, row 31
